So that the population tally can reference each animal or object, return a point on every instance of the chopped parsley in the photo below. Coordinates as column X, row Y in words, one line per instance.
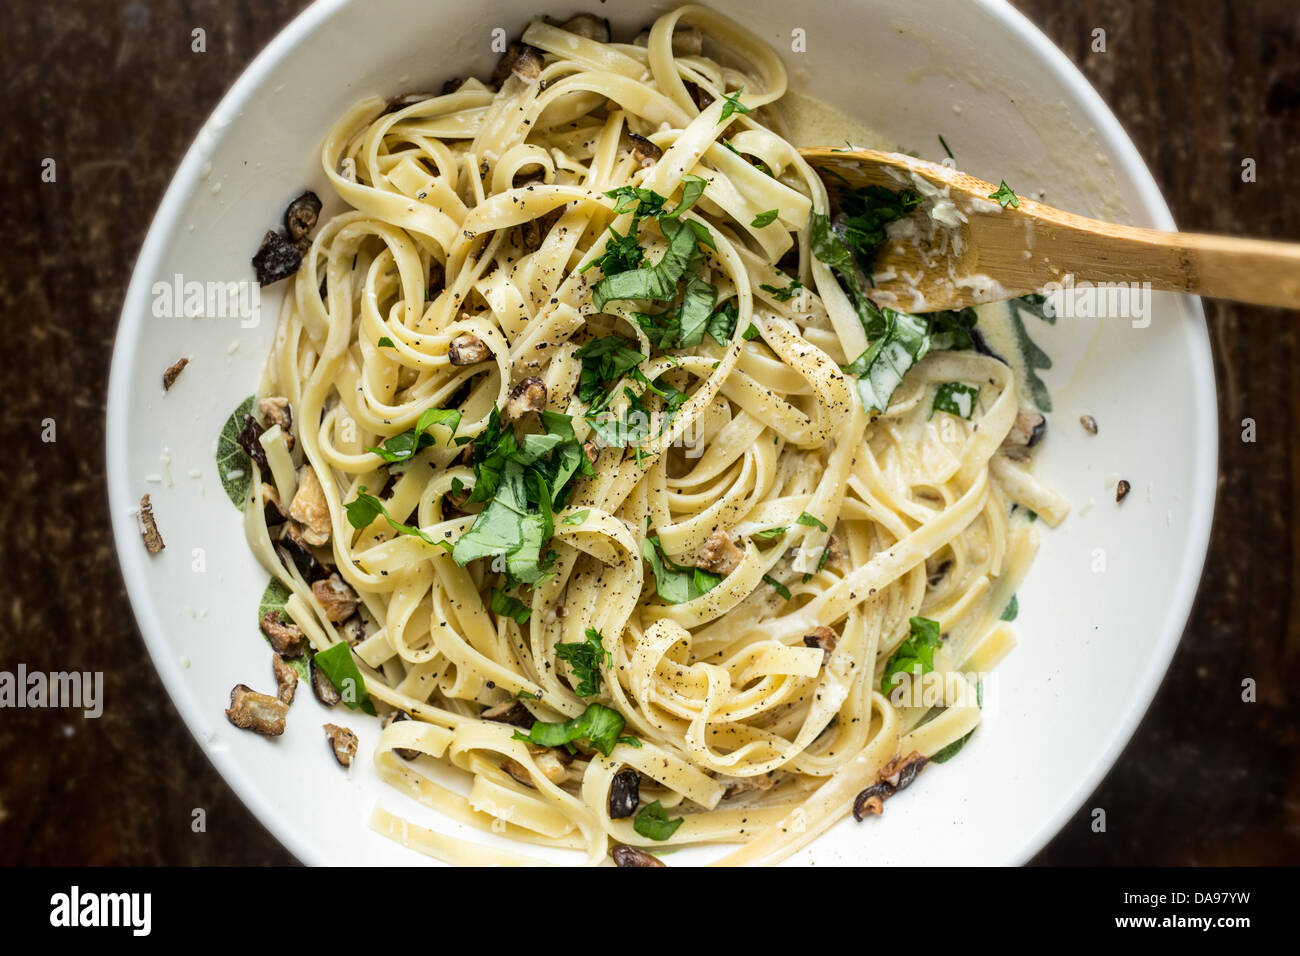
column 915, row 655
column 956, row 398
column 366, row 508
column 598, row 725
column 732, row 105
column 786, row 294
column 653, row 823
column 770, row 534
column 675, row 583
column 512, row 607
column 523, row 480
column 401, row 448
column 777, row 586
column 585, row 659
column 751, row 333
column 386, row 343
column 810, row 521
column 1006, row 196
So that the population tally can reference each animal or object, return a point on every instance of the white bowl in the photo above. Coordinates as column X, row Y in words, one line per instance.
column 1094, row 646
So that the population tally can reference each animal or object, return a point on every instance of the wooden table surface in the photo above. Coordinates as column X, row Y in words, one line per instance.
column 111, row 90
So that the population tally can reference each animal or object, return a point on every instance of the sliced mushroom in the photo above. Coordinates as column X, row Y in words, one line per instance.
column 509, row 712
column 591, row 449
column 936, row 576
column 286, row 678
column 520, row 59
column 588, row 25
column 259, row 713
column 275, row 409
column 550, row 761
column 644, row 152
column 153, row 541
column 322, row 686
column 249, row 439
column 467, row 349
column 336, row 597
column 1089, row 424
column 343, row 742
column 1027, row 430
column 406, row 753
column 294, row 550
column 763, row 782
column 354, row 630
column 700, row 96
column 173, row 372
column 688, row 41
column 300, row 218
column 272, row 509
column 278, row 257
column 1121, row 490
column 287, row 640
column 528, row 396
column 719, row 554
column 624, row 855
column 309, row 507
column 823, row 637
column 624, row 793
column 529, row 235
column 896, row 775
column 403, row 100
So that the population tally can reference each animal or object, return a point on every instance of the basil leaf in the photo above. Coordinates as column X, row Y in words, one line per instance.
column 507, row 606
column 722, row 323
column 585, row 659
column 403, row 446
column 600, row 726
column 915, row 655
column 578, row 517
column 956, row 398
column 653, row 823
column 386, row 343
column 809, row 521
column 777, row 586
column 765, row 218
column 337, row 664
column 366, row 508
column 696, row 310
column 880, row 369
column 674, row 583
column 786, row 294
column 1012, row 610
column 751, row 333
column 770, row 534
column 692, row 190
column 604, row 362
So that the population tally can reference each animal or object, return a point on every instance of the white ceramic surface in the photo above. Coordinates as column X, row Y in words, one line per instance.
column 1094, row 645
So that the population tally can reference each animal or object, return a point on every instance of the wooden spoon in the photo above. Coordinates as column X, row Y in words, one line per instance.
column 1012, row 251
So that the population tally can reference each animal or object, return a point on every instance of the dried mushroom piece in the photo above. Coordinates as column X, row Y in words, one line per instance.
column 336, row 597
column 823, row 637
column 301, row 215
column 249, row 439
column 310, row 509
column 467, row 349
column 509, row 712
column 896, row 775
column 520, row 59
column 286, row 678
column 343, row 742
column 719, row 554
column 588, row 25
column 275, row 409
column 272, row 510
column 278, row 257
column 406, row 753
column 528, row 396
column 153, row 541
column 353, row 630
column 293, row 549
column 624, row 855
column 174, row 372
column 1027, row 430
column 259, row 713
column 624, row 793
column 644, row 152
column 322, row 686
column 287, row 640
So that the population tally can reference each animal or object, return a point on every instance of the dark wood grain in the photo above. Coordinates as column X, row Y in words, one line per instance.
column 114, row 94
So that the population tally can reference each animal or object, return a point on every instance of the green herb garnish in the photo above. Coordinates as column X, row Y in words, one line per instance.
column 675, row 583
column 915, row 655
column 585, row 659
column 765, row 218
column 598, row 725
column 956, row 398
column 1006, row 196
column 810, row 521
column 337, row 664
column 366, row 508
column 507, row 606
column 731, row 105
column 777, row 586
column 653, row 823
column 401, row 448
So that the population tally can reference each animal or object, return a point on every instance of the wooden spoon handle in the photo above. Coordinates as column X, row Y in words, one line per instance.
column 1220, row 267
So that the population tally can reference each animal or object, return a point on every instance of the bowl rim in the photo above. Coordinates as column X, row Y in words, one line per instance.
column 1093, row 109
